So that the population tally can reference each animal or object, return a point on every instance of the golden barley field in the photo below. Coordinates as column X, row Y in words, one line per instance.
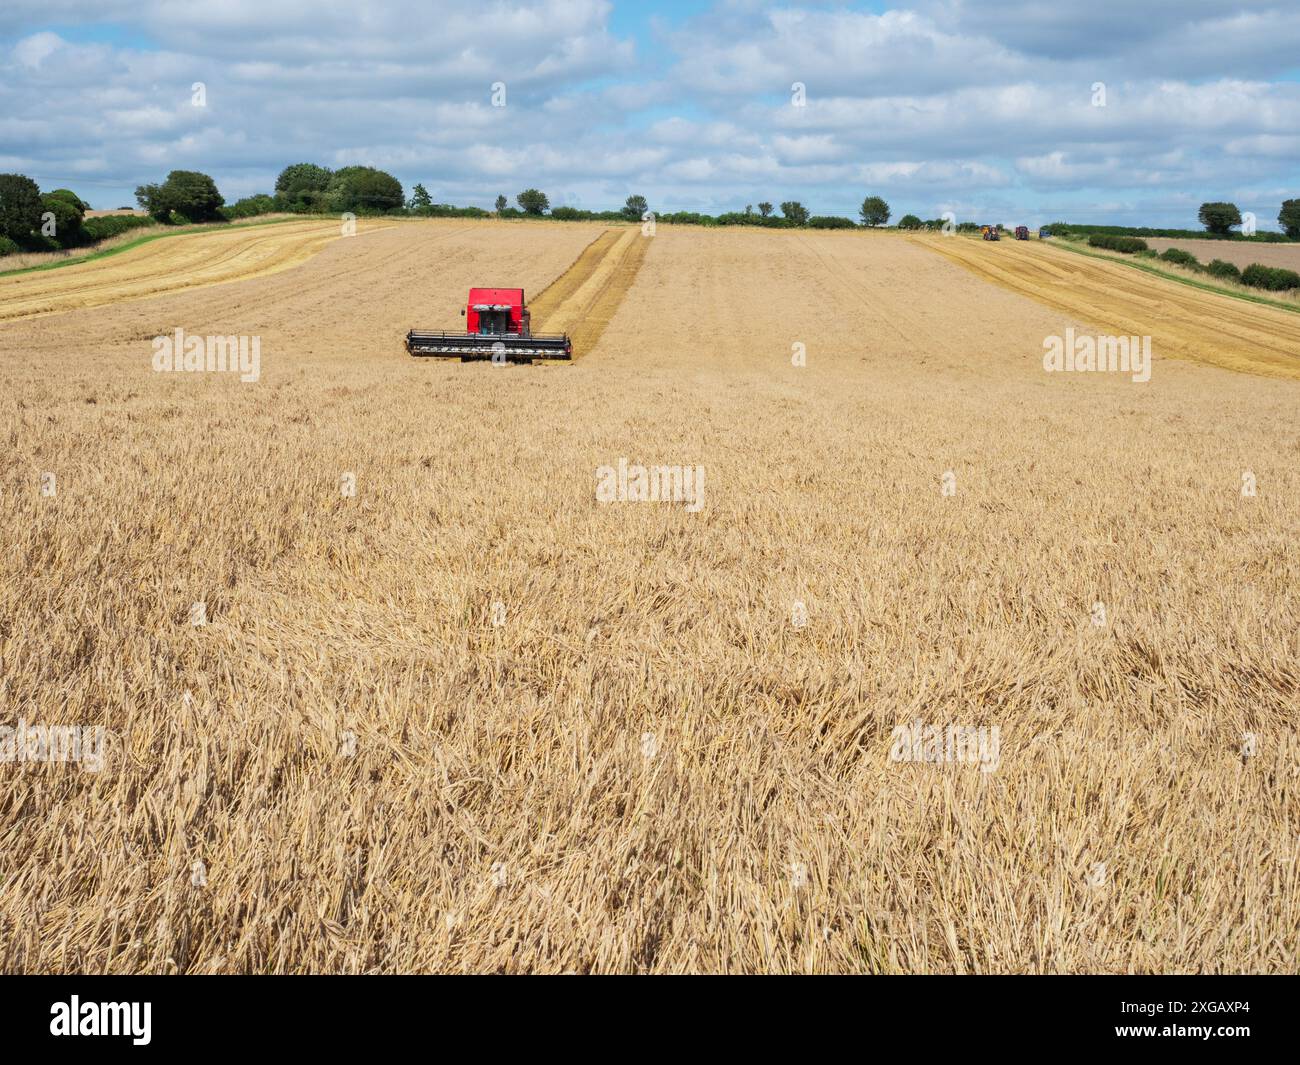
column 447, row 712
column 185, row 260
column 1107, row 292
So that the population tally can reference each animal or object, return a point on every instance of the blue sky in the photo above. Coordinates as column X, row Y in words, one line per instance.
column 1015, row 111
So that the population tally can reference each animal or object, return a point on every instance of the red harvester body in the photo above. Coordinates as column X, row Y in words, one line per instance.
column 496, row 310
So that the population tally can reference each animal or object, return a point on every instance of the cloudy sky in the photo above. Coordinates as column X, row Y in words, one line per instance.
column 987, row 109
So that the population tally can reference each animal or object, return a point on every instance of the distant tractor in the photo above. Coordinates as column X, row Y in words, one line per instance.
column 990, row 233
column 498, row 327
column 1044, row 233
column 1022, row 232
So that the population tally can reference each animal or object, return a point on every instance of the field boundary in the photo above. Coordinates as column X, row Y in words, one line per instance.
column 1204, row 286
column 104, row 253
column 1190, row 325
column 225, row 256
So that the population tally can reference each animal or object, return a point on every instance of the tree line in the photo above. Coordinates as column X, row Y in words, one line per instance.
column 31, row 220
column 34, row 221
column 1218, row 217
column 1221, row 218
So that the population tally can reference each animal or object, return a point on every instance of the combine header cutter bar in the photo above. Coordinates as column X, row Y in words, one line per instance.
column 498, row 329
column 510, row 346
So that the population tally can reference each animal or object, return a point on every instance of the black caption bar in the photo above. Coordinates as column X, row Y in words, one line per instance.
column 148, row 1014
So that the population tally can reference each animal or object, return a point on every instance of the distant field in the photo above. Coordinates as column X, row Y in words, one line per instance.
column 175, row 261
column 1185, row 323
column 1240, row 253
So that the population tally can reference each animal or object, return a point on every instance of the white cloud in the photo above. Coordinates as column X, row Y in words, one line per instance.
column 934, row 102
column 32, row 51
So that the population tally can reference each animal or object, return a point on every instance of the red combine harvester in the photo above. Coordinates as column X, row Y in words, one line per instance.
column 497, row 328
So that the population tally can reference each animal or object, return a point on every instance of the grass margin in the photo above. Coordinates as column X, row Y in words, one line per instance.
column 180, row 231
column 1204, row 286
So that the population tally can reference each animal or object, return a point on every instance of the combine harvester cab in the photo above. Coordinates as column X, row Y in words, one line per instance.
column 498, row 327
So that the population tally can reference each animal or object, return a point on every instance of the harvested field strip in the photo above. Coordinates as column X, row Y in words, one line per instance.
column 195, row 260
column 123, row 242
column 1171, row 273
column 1183, row 322
column 584, row 298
